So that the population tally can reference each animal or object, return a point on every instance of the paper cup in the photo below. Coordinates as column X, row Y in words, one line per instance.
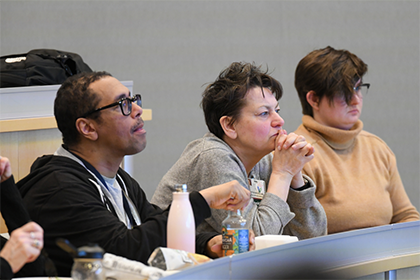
column 266, row 241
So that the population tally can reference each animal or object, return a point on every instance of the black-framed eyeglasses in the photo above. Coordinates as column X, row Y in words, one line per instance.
column 362, row 89
column 124, row 103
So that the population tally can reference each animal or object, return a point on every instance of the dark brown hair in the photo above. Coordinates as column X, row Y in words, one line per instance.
column 74, row 99
column 225, row 96
column 328, row 72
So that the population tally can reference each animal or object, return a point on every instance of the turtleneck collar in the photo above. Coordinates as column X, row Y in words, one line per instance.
column 338, row 139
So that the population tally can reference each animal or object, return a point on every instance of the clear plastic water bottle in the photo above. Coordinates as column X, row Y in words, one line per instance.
column 88, row 263
column 181, row 223
column 235, row 234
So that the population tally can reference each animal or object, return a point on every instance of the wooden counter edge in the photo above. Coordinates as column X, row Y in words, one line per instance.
column 44, row 123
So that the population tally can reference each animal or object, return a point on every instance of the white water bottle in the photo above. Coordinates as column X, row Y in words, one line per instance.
column 181, row 224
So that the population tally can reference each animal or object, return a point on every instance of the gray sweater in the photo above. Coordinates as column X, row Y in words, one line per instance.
column 209, row 161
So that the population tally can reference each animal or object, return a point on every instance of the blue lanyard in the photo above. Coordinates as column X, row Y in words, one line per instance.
column 99, row 176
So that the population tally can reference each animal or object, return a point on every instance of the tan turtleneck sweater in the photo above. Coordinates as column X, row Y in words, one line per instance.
column 357, row 179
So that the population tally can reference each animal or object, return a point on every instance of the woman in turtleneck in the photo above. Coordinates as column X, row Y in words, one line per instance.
column 355, row 172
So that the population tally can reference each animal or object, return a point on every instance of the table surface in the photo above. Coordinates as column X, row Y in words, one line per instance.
column 354, row 254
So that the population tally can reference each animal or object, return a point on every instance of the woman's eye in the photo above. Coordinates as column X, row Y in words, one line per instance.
column 342, row 100
column 265, row 113
column 278, row 111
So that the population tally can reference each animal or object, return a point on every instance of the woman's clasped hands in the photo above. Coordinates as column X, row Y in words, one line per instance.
column 291, row 153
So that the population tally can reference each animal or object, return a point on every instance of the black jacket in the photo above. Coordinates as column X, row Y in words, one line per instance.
column 15, row 215
column 60, row 197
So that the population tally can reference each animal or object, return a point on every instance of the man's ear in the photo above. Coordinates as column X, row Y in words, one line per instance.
column 228, row 127
column 86, row 128
column 313, row 99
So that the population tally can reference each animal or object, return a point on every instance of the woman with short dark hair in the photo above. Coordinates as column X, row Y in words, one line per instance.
column 247, row 143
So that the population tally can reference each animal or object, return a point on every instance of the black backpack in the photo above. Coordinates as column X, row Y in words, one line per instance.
column 40, row 67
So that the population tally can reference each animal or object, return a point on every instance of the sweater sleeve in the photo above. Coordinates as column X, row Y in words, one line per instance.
column 310, row 220
column 15, row 215
column 403, row 210
column 201, row 211
column 13, row 210
column 200, row 207
column 301, row 215
column 5, row 271
column 209, row 168
column 215, row 166
column 201, row 242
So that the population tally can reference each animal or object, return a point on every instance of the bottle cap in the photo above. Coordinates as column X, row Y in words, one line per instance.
column 91, row 251
column 180, row 188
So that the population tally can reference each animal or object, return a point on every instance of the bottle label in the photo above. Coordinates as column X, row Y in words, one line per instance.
column 234, row 241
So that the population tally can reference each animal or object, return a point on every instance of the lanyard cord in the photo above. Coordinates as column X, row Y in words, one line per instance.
column 126, row 205
column 107, row 202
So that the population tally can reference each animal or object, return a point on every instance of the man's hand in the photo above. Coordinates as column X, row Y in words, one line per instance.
column 214, row 246
column 228, row 196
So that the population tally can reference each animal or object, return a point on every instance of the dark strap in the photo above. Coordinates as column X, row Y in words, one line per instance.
column 126, row 205
column 304, row 187
column 107, row 202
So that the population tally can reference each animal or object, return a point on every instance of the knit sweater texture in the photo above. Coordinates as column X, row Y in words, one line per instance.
column 209, row 161
column 357, row 179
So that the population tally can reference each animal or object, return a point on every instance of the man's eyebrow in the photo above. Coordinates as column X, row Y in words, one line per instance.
column 122, row 95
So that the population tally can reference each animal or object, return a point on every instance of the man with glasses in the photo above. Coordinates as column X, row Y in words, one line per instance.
column 355, row 172
column 81, row 194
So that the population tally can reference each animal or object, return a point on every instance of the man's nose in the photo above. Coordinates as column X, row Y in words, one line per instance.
column 136, row 110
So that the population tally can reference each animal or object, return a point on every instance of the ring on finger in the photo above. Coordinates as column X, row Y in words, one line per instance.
column 36, row 243
column 32, row 234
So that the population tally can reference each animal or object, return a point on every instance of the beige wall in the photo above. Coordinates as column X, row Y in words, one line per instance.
column 23, row 147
